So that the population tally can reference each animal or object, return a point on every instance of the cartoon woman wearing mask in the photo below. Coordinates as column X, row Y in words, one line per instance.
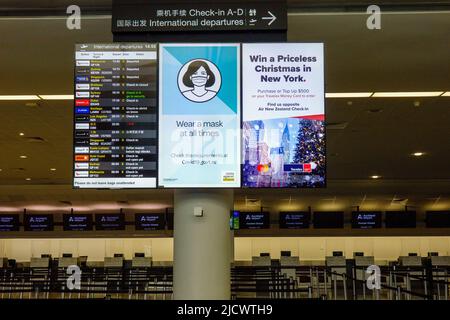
column 200, row 79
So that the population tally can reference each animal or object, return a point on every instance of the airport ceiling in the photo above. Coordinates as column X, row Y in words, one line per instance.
column 365, row 136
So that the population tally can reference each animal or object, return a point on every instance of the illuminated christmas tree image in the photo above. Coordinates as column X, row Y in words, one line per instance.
column 310, row 147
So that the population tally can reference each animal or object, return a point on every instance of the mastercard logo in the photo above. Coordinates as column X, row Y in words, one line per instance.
column 262, row 168
column 82, row 158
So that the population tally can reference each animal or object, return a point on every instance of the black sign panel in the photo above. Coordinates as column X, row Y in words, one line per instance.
column 110, row 222
column 254, row 220
column 150, row 221
column 295, row 220
column 328, row 220
column 366, row 220
column 9, row 222
column 400, row 219
column 38, row 222
column 129, row 16
column 438, row 219
column 115, row 116
column 77, row 222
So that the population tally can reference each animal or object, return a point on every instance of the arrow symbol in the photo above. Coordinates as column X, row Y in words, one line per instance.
column 272, row 18
column 253, row 21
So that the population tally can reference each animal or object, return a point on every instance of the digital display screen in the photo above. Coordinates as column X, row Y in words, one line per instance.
column 254, row 220
column 150, row 221
column 9, row 222
column 199, row 116
column 115, row 116
column 110, row 222
column 400, row 219
column 234, row 220
column 328, row 220
column 283, row 130
column 170, row 220
column 77, row 222
column 38, row 222
column 366, row 220
column 437, row 219
column 295, row 220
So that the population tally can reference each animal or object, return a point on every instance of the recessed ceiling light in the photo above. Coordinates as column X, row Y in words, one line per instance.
column 56, row 96
column 19, row 97
column 52, row 169
column 28, row 179
column 21, row 134
column 375, row 177
column 23, row 157
column 407, row 94
column 418, row 154
column 348, row 94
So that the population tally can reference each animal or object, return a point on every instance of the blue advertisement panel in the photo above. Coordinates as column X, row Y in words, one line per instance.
column 199, row 115
column 283, row 131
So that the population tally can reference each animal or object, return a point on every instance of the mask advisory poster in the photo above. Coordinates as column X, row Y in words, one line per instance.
column 283, row 131
column 199, row 115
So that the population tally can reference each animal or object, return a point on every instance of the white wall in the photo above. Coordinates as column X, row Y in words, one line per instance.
column 161, row 249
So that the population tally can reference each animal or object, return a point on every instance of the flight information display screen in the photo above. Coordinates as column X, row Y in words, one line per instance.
column 366, row 220
column 254, row 220
column 400, row 219
column 295, row 220
column 437, row 219
column 38, row 222
column 328, row 219
column 9, row 222
column 77, row 222
column 150, row 221
column 115, row 116
column 110, row 222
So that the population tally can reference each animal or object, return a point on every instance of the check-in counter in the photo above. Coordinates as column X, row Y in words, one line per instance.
column 336, row 264
column 361, row 264
column 39, row 263
column 113, row 262
column 141, row 262
column 289, row 262
column 261, row 261
column 65, row 262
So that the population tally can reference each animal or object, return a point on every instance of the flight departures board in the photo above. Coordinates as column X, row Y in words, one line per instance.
column 115, row 116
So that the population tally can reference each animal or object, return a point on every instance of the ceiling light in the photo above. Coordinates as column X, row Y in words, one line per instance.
column 19, row 97
column 446, row 94
column 23, row 157
column 21, row 134
column 56, row 97
column 348, row 94
column 407, row 94
column 418, row 154
column 52, row 169
column 375, row 177
column 28, row 179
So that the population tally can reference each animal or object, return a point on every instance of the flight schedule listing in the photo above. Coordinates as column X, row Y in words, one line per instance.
column 115, row 116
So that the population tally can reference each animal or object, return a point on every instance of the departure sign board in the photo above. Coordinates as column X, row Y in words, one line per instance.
column 115, row 116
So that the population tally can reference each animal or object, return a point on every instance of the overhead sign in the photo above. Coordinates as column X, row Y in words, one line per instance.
column 366, row 220
column 191, row 16
column 283, row 131
column 115, row 116
column 9, row 222
column 199, row 115
column 77, row 222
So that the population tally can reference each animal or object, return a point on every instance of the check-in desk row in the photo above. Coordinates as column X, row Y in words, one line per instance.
column 115, row 275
